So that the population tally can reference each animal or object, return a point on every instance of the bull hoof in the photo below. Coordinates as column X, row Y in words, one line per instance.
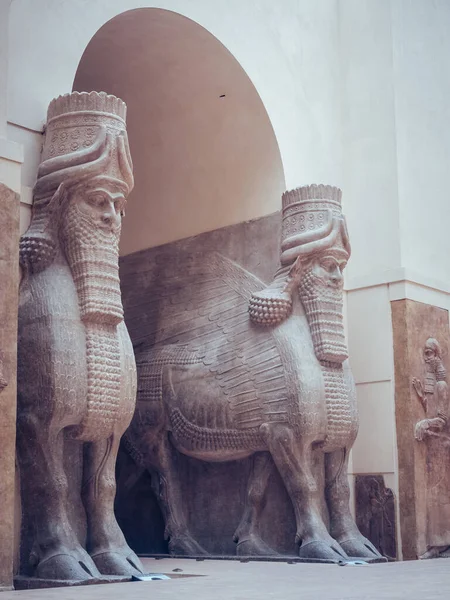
column 322, row 550
column 432, row 552
column 65, row 567
column 186, row 546
column 124, row 563
column 253, row 545
column 360, row 547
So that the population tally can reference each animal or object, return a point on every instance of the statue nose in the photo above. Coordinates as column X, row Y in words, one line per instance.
column 109, row 216
column 107, row 219
column 336, row 276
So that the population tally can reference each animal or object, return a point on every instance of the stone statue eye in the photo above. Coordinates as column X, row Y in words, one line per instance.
column 328, row 265
column 97, row 200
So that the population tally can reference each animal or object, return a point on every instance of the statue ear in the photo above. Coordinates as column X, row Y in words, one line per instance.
column 38, row 244
column 273, row 304
column 269, row 307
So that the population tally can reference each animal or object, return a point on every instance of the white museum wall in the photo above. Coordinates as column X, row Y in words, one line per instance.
column 371, row 206
column 421, row 47
column 11, row 154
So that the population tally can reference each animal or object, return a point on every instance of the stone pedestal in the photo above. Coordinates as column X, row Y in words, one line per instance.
column 10, row 159
column 421, row 463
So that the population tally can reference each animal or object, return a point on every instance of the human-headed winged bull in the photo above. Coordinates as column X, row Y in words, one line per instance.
column 229, row 368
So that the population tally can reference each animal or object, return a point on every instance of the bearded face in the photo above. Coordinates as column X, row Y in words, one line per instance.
column 321, row 292
column 431, row 358
column 89, row 236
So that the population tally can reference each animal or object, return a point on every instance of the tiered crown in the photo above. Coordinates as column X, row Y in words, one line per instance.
column 87, row 102
column 74, row 121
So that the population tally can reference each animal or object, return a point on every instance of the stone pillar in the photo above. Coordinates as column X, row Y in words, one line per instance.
column 11, row 157
column 423, row 456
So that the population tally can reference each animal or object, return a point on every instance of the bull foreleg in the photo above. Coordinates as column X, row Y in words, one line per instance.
column 57, row 553
column 293, row 457
column 342, row 525
column 106, row 542
column 170, row 497
column 249, row 542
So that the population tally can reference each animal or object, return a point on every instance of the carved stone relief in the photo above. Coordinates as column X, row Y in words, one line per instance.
column 421, row 354
column 3, row 380
column 375, row 513
column 433, row 431
column 76, row 374
column 229, row 368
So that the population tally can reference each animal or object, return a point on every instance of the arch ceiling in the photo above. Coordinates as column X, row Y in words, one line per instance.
column 204, row 151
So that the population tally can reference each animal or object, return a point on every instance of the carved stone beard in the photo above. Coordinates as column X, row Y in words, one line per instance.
column 93, row 257
column 435, row 371
column 323, row 306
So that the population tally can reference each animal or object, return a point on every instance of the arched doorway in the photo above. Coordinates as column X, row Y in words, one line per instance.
column 205, row 156
column 204, row 151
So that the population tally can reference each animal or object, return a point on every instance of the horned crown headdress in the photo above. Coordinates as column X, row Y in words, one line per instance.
column 312, row 222
column 85, row 138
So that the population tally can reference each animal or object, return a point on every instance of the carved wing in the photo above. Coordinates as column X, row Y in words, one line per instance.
column 203, row 308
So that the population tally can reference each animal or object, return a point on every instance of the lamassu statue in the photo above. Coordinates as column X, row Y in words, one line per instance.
column 76, row 372
column 231, row 369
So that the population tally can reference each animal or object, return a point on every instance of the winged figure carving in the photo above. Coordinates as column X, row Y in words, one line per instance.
column 229, row 368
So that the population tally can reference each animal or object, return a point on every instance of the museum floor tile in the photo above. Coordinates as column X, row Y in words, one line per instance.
column 233, row 580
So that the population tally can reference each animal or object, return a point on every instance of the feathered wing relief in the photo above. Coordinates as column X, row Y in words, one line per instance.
column 201, row 330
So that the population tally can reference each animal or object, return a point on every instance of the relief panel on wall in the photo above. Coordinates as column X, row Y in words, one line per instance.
column 421, row 353
column 375, row 513
column 433, row 432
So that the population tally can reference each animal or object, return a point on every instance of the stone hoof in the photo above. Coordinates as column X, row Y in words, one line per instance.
column 118, row 563
column 322, row 550
column 430, row 553
column 444, row 552
column 359, row 547
column 186, row 546
column 67, row 568
column 435, row 552
column 253, row 545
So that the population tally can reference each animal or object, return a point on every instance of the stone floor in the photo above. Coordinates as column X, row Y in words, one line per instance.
column 233, row 580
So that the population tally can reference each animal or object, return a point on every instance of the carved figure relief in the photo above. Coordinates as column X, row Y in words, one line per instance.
column 229, row 368
column 434, row 432
column 3, row 381
column 375, row 513
column 76, row 370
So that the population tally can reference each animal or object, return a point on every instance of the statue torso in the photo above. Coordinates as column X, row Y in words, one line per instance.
column 53, row 364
